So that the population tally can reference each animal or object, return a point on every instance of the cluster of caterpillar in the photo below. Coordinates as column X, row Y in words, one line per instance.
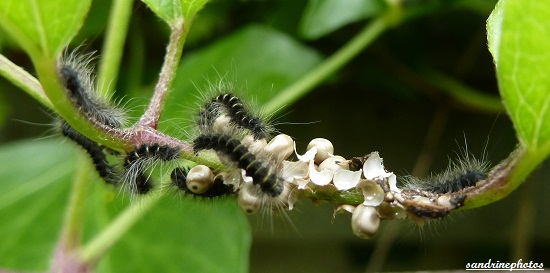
column 238, row 137
column 225, row 125
column 76, row 74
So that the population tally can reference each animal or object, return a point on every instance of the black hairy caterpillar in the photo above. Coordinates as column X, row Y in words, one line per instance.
column 95, row 151
column 230, row 105
column 262, row 173
column 142, row 157
column 218, row 188
column 464, row 173
column 76, row 75
column 439, row 194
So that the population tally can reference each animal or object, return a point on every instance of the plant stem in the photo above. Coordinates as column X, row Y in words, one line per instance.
column 332, row 64
column 94, row 250
column 64, row 256
column 22, row 79
column 173, row 53
column 464, row 94
column 113, row 46
column 72, row 224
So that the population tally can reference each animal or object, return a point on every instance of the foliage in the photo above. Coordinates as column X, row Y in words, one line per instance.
column 279, row 61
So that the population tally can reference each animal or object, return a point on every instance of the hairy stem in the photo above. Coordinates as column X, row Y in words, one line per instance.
column 171, row 60
column 113, row 46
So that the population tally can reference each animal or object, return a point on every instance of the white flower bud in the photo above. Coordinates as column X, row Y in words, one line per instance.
column 325, row 149
column 281, row 146
column 365, row 221
column 199, row 179
column 248, row 201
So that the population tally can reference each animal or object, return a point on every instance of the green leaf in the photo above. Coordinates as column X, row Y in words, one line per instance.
column 43, row 28
column 178, row 235
column 34, row 184
column 324, row 16
column 519, row 40
column 172, row 10
column 184, row 235
column 494, row 30
column 257, row 60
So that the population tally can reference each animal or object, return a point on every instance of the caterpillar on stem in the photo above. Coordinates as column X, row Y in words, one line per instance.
column 230, row 105
column 140, row 159
column 261, row 172
column 76, row 75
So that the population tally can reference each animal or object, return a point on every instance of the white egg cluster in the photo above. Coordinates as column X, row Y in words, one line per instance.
column 319, row 171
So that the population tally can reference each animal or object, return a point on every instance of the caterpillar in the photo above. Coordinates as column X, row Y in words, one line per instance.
column 228, row 104
column 262, row 173
column 459, row 175
column 141, row 158
column 76, row 76
column 439, row 194
column 105, row 170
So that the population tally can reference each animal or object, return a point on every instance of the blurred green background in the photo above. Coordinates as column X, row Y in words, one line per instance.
column 384, row 100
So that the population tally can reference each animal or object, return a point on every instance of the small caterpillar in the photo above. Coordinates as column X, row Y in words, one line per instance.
column 76, row 75
column 439, row 194
column 218, row 188
column 99, row 159
column 459, row 175
column 230, row 105
column 261, row 172
column 141, row 158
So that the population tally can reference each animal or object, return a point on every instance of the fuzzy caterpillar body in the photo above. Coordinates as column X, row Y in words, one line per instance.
column 76, row 76
column 459, row 175
column 240, row 117
column 142, row 157
column 262, row 173
column 439, row 194
column 95, row 151
column 78, row 81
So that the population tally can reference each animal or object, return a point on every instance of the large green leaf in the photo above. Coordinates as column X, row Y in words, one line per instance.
column 34, row 184
column 183, row 235
column 178, row 235
column 258, row 60
column 324, row 16
column 519, row 40
column 171, row 10
column 43, row 27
